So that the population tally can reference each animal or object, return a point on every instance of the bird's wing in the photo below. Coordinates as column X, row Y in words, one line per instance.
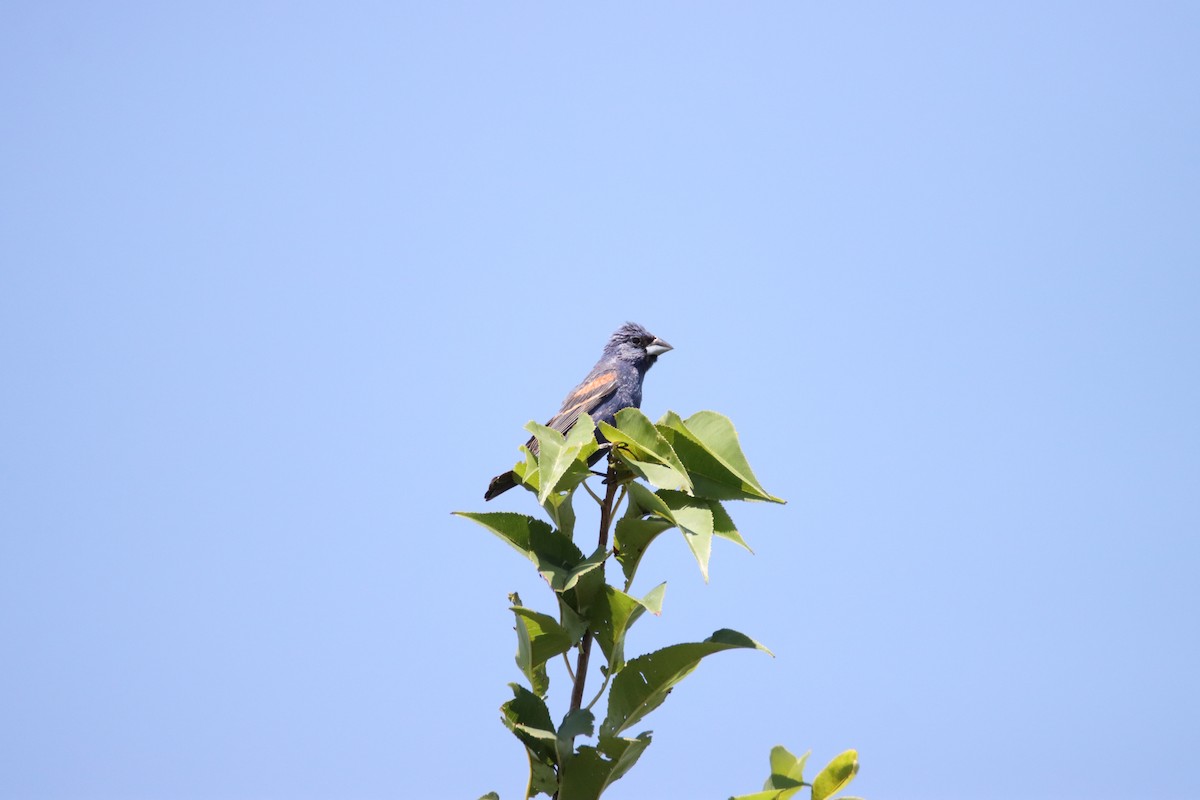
column 584, row 399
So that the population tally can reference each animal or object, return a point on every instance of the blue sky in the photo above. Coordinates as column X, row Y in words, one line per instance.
column 281, row 284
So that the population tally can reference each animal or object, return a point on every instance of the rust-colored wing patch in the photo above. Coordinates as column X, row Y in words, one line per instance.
column 585, row 399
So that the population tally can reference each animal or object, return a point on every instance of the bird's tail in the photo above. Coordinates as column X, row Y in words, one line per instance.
column 500, row 484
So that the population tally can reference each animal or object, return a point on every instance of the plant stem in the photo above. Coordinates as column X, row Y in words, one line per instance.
column 603, row 686
column 585, row 646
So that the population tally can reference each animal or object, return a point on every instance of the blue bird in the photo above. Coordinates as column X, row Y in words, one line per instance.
column 613, row 384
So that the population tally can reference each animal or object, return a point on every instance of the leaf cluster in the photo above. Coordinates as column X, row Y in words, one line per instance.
column 787, row 777
column 693, row 467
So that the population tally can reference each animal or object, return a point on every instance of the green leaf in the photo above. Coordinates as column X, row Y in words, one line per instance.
column 624, row 752
column 786, row 779
column 612, row 617
column 584, row 775
column 653, row 601
column 490, row 796
column 579, row 722
column 539, row 639
column 562, row 461
column 723, row 525
column 527, row 471
column 717, row 434
column 642, row 501
column 787, row 771
column 592, row 770
column 646, row 450
column 583, row 585
column 528, row 718
column 555, row 556
column 518, row 530
column 569, row 618
column 708, row 446
column 644, row 683
column 694, row 518
column 770, row 794
column 632, row 537
column 561, row 510
column 836, row 775
column 592, row 562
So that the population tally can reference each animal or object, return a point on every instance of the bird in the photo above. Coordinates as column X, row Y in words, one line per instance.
column 613, row 384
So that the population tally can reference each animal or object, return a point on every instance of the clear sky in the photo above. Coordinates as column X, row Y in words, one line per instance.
column 280, row 284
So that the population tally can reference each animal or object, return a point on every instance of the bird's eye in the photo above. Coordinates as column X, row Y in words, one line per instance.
column 636, row 341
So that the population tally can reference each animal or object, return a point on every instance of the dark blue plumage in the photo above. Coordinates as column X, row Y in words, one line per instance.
column 613, row 384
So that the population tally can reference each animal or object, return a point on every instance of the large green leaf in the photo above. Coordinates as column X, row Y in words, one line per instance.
column 646, row 450
column 539, row 639
column 518, row 530
column 645, row 682
column 614, row 615
column 708, row 446
column 563, row 460
column 693, row 516
column 836, row 776
column 555, row 556
column 593, row 769
column 528, row 718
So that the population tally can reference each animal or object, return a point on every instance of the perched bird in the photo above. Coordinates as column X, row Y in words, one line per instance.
column 613, row 384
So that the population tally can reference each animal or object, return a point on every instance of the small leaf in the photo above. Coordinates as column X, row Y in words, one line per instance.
column 836, row 775
column 563, row 460
column 653, row 601
column 561, row 510
column 787, row 771
column 723, row 525
column 592, row 562
column 770, row 794
column 612, row 617
column 539, row 638
column 584, row 583
column 632, row 537
column 645, row 682
column 490, row 796
column 528, row 718
column 579, row 722
column 527, row 471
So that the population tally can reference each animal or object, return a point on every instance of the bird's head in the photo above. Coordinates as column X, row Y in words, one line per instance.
column 635, row 345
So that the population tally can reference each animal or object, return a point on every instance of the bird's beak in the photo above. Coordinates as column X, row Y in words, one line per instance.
column 658, row 347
